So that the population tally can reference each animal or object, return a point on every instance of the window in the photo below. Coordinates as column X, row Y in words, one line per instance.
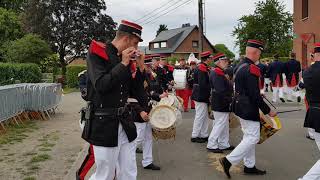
column 305, row 9
column 163, row 44
column 195, row 44
column 156, row 45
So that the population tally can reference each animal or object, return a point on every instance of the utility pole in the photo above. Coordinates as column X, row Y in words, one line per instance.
column 200, row 5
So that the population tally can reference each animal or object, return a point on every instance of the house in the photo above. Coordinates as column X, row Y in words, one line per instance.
column 180, row 42
column 306, row 27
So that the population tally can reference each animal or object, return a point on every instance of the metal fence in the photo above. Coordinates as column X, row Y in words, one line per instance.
column 18, row 98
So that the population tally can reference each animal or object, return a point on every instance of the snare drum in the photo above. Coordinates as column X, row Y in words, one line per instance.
column 163, row 121
column 269, row 126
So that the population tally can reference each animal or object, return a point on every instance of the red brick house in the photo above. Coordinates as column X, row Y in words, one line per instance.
column 179, row 42
column 306, row 28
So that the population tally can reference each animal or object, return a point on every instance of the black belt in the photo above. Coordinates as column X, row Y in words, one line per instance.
column 111, row 111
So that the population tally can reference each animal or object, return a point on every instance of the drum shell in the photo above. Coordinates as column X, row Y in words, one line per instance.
column 180, row 78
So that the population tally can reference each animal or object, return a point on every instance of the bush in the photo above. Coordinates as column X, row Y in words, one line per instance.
column 29, row 49
column 72, row 75
column 25, row 73
column 270, row 59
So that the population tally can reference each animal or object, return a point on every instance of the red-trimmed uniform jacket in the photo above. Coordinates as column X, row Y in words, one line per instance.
column 292, row 70
column 311, row 78
column 248, row 100
column 109, row 85
column 221, row 91
column 201, row 86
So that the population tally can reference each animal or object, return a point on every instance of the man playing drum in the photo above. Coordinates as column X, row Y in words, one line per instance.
column 201, row 95
column 246, row 104
column 311, row 78
column 221, row 94
column 184, row 93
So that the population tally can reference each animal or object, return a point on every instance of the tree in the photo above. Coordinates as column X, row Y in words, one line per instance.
column 69, row 25
column 29, row 49
column 15, row 5
column 269, row 23
column 223, row 48
column 10, row 28
column 162, row 27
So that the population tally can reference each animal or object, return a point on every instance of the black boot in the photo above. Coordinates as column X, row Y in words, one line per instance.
column 282, row 100
column 299, row 99
column 218, row 151
column 139, row 151
column 254, row 171
column 226, row 166
column 229, row 148
column 77, row 175
column 205, row 139
column 152, row 167
column 198, row 140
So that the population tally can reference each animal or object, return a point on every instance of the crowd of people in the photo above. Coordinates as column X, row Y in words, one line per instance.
column 121, row 83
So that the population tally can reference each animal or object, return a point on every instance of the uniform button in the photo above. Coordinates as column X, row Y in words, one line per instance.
column 121, row 93
column 121, row 85
column 120, row 100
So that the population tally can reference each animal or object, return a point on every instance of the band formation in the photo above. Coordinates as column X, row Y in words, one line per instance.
column 133, row 98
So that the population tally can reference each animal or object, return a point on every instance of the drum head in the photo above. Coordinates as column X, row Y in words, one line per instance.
column 169, row 101
column 162, row 117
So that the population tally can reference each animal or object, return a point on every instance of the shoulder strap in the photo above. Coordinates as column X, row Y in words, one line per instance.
column 240, row 67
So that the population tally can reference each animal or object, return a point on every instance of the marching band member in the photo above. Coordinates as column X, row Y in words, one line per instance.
column 311, row 78
column 190, row 80
column 184, row 93
column 158, row 82
column 292, row 71
column 246, row 105
column 144, row 129
column 275, row 71
column 221, row 94
column 201, row 94
column 111, row 78
column 263, row 72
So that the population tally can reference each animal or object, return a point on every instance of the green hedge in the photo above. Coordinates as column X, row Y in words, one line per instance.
column 72, row 75
column 23, row 73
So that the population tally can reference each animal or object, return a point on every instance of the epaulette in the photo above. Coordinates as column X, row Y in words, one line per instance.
column 99, row 49
column 170, row 68
column 203, row 68
column 255, row 70
column 218, row 71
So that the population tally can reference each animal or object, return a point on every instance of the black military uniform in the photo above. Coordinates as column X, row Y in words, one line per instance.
column 159, row 82
column 311, row 83
column 263, row 72
column 292, row 71
column 201, row 86
column 221, row 98
column 201, row 95
column 221, row 90
column 246, row 104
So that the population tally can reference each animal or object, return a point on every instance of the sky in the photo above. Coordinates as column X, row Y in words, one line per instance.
column 221, row 16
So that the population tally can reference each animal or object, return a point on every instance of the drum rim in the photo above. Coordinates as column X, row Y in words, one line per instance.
column 161, row 106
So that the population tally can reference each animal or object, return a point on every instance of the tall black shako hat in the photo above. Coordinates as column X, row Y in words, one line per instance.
column 205, row 55
column 219, row 56
column 131, row 28
column 255, row 44
column 317, row 47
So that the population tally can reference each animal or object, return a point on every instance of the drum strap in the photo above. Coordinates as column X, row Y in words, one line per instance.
column 240, row 67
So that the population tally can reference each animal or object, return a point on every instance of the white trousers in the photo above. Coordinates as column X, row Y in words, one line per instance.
column 277, row 93
column 144, row 137
column 219, row 136
column 311, row 132
column 246, row 149
column 314, row 172
column 121, row 158
column 201, row 121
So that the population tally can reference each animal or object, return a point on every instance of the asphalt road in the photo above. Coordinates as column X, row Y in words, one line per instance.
column 287, row 155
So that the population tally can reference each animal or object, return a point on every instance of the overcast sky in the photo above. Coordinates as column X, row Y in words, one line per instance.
column 221, row 16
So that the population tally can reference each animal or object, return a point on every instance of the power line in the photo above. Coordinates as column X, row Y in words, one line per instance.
column 157, row 13
column 152, row 20
column 163, row 5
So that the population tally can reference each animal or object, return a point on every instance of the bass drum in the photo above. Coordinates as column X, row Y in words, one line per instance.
column 180, row 78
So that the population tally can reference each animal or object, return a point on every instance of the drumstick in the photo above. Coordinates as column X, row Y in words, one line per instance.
column 281, row 112
column 269, row 102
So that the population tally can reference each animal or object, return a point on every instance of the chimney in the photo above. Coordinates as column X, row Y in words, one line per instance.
column 186, row 25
